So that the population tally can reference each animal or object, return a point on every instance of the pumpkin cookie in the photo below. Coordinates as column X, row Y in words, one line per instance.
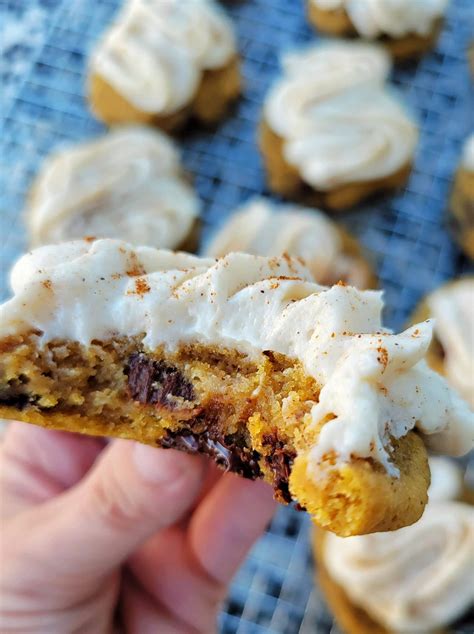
column 127, row 184
column 462, row 200
column 163, row 61
column 407, row 28
column 332, row 132
column 416, row 579
column 452, row 350
column 262, row 228
column 245, row 359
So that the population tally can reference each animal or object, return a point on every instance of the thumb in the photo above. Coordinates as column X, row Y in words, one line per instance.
column 132, row 492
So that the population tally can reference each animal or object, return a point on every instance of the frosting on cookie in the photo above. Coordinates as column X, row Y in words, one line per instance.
column 446, row 480
column 468, row 154
column 262, row 228
column 155, row 52
column 418, row 578
column 126, row 184
column 397, row 18
column 374, row 385
column 339, row 121
column 452, row 308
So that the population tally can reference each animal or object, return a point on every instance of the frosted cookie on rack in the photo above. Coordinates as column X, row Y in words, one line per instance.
column 452, row 350
column 163, row 61
column 462, row 200
column 416, row 579
column 245, row 359
column 408, row 28
column 126, row 184
column 261, row 227
column 332, row 131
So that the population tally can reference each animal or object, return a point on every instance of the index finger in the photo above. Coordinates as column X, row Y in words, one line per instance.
column 227, row 523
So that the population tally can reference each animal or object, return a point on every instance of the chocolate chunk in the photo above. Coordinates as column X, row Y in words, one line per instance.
column 464, row 625
column 19, row 401
column 223, row 449
column 280, row 461
column 155, row 382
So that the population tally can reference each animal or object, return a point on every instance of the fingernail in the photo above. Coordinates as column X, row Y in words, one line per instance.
column 158, row 466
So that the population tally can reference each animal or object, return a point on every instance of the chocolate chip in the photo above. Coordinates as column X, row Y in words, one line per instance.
column 223, row 449
column 155, row 382
column 464, row 625
column 19, row 401
column 280, row 461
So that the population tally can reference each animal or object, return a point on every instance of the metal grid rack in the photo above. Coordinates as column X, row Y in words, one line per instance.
column 46, row 44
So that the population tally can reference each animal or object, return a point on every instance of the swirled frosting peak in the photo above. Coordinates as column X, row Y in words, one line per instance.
column 397, row 18
column 126, row 184
column 263, row 228
column 156, row 51
column 416, row 579
column 338, row 120
column 374, row 384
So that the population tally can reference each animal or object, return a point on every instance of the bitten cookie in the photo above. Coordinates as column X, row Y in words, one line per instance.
column 408, row 28
column 452, row 350
column 462, row 200
column 245, row 359
column 126, row 184
column 332, row 131
column 416, row 579
column 163, row 61
column 261, row 227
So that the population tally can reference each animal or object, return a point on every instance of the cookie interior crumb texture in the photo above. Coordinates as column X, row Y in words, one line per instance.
column 245, row 359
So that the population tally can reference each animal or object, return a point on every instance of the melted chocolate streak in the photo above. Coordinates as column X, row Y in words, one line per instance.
column 157, row 383
column 227, row 455
column 19, row 401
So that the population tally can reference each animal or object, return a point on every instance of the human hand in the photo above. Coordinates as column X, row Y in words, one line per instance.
column 122, row 537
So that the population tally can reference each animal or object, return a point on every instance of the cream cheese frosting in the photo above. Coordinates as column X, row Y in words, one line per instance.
column 339, row 121
column 375, row 385
column 452, row 307
column 126, row 184
column 397, row 18
column 468, row 154
column 446, row 480
column 418, row 578
column 261, row 227
column 156, row 51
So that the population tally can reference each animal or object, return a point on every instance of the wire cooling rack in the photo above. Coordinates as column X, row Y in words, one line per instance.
column 46, row 44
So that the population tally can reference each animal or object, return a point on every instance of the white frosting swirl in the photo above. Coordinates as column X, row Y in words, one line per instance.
column 446, row 480
column 468, row 154
column 155, row 52
column 416, row 579
column 262, row 228
column 452, row 307
column 127, row 184
column 397, row 18
column 375, row 385
column 339, row 122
